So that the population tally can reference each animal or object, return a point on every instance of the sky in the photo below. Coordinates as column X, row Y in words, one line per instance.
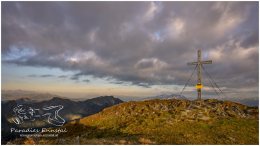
column 131, row 49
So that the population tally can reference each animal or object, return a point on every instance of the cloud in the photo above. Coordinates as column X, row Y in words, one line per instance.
column 41, row 76
column 139, row 43
column 76, row 78
column 62, row 76
column 45, row 76
column 151, row 63
column 19, row 54
column 86, row 80
column 73, row 116
column 153, row 8
column 176, row 27
column 32, row 75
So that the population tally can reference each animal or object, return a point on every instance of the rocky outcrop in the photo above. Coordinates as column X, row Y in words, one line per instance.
column 186, row 110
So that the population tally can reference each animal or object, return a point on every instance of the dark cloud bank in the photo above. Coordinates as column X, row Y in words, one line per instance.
column 142, row 43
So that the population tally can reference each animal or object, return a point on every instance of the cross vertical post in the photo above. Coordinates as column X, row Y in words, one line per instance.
column 199, row 64
column 199, row 74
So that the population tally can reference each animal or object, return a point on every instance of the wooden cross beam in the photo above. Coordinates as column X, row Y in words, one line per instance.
column 199, row 65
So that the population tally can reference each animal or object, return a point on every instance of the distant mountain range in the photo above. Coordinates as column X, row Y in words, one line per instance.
column 246, row 101
column 38, row 96
column 70, row 110
column 23, row 94
column 166, row 96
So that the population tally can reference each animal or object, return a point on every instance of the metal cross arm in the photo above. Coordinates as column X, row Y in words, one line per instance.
column 202, row 62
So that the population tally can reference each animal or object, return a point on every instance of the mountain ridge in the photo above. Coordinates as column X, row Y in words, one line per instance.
column 168, row 121
column 70, row 110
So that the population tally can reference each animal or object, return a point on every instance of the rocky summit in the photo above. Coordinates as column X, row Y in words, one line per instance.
column 186, row 110
column 171, row 121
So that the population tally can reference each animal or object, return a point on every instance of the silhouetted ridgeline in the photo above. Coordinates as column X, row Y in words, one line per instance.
column 71, row 110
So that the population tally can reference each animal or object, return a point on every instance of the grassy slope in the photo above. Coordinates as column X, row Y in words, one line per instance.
column 162, row 127
column 151, row 122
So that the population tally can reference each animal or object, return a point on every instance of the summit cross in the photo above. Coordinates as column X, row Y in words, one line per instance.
column 199, row 64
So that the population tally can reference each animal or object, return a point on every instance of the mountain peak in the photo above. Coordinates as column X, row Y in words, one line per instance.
column 57, row 98
column 183, row 109
column 168, row 121
column 104, row 100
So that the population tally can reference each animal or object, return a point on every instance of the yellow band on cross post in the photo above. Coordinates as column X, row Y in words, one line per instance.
column 199, row 86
